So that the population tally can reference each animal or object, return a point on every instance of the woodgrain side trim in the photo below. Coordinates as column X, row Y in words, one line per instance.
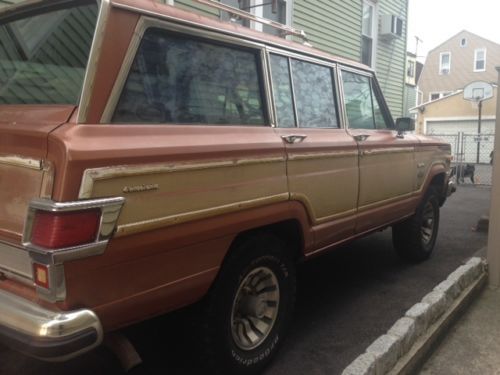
column 156, row 223
column 90, row 176
column 22, row 162
column 384, row 151
column 322, row 155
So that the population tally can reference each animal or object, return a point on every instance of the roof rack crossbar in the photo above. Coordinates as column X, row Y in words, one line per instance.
column 286, row 30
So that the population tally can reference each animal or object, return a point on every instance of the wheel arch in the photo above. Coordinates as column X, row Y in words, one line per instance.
column 438, row 183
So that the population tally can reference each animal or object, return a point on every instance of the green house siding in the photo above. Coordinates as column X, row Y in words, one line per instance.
column 333, row 26
column 410, row 100
column 391, row 58
column 192, row 5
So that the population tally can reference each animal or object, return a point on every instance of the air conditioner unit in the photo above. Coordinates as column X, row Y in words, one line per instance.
column 391, row 26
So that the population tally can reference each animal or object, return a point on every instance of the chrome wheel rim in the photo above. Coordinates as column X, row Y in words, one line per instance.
column 428, row 223
column 255, row 308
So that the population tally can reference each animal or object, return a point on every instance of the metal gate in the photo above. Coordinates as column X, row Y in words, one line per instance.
column 472, row 156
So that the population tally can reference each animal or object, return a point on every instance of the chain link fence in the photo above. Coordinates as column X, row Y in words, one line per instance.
column 472, row 156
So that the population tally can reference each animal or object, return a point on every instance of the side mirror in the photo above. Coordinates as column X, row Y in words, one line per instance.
column 404, row 124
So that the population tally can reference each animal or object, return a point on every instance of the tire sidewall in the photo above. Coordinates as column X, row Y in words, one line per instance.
column 235, row 360
column 432, row 199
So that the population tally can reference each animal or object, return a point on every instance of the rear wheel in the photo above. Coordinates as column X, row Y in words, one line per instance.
column 414, row 238
column 249, row 307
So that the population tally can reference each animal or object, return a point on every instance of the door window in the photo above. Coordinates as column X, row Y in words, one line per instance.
column 364, row 105
column 307, row 86
column 177, row 79
column 314, row 95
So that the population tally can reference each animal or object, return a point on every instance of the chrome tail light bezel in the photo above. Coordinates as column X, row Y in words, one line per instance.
column 54, row 259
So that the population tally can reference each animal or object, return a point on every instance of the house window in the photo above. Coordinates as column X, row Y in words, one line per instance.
column 444, row 63
column 435, row 95
column 439, row 95
column 480, row 60
column 463, row 42
column 410, row 70
column 369, row 32
column 275, row 10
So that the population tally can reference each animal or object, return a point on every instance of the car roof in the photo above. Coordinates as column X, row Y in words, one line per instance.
column 174, row 14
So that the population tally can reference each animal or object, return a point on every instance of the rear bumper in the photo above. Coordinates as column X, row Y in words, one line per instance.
column 45, row 334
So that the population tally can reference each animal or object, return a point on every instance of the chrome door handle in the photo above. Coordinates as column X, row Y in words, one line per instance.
column 293, row 138
column 361, row 137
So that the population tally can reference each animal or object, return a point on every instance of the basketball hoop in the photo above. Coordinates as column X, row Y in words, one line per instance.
column 477, row 92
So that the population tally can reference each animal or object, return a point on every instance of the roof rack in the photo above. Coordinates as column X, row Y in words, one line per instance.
column 286, row 30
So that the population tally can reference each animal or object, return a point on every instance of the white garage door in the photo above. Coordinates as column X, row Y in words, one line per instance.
column 465, row 126
column 465, row 147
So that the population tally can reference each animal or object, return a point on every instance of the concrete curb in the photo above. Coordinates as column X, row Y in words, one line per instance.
column 402, row 348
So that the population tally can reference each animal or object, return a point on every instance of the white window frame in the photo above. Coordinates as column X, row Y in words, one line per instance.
column 410, row 72
column 476, row 51
column 464, row 44
column 374, row 30
column 442, row 94
column 441, row 67
column 434, row 93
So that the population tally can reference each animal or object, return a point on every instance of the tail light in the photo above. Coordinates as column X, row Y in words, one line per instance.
column 53, row 230
column 57, row 232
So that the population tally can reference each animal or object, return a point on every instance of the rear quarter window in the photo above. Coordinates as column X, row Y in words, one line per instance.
column 43, row 57
column 182, row 80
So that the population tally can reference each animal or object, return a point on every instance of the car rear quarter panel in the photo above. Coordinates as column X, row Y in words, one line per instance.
column 189, row 191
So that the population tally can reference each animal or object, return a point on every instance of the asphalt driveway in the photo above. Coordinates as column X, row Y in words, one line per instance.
column 345, row 300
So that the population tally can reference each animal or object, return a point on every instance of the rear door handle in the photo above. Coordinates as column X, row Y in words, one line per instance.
column 294, row 138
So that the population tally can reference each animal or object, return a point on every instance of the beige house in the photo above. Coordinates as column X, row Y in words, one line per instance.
column 456, row 120
column 453, row 114
column 462, row 59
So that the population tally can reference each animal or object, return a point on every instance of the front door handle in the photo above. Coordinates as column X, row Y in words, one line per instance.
column 361, row 137
column 293, row 138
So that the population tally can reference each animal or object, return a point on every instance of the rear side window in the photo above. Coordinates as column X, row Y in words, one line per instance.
column 307, row 86
column 182, row 80
column 43, row 57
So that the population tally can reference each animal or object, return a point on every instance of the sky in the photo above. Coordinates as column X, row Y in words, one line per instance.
column 435, row 21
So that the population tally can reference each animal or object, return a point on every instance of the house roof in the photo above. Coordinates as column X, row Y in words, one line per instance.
column 460, row 32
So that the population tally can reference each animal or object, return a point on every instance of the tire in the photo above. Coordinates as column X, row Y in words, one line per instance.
column 249, row 308
column 414, row 238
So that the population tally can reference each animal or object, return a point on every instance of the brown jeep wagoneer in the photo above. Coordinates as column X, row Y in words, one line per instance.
column 151, row 158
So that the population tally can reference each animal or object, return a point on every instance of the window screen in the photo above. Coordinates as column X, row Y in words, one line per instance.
column 177, row 79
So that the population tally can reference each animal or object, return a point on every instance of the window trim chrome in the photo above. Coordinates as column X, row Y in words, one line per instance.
column 94, row 57
column 146, row 23
column 333, row 66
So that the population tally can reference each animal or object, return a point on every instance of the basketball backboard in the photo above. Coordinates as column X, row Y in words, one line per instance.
column 478, row 91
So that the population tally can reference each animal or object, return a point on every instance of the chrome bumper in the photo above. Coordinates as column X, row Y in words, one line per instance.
column 46, row 334
column 452, row 187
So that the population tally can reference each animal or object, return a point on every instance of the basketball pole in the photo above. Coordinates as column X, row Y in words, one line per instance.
column 480, row 107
